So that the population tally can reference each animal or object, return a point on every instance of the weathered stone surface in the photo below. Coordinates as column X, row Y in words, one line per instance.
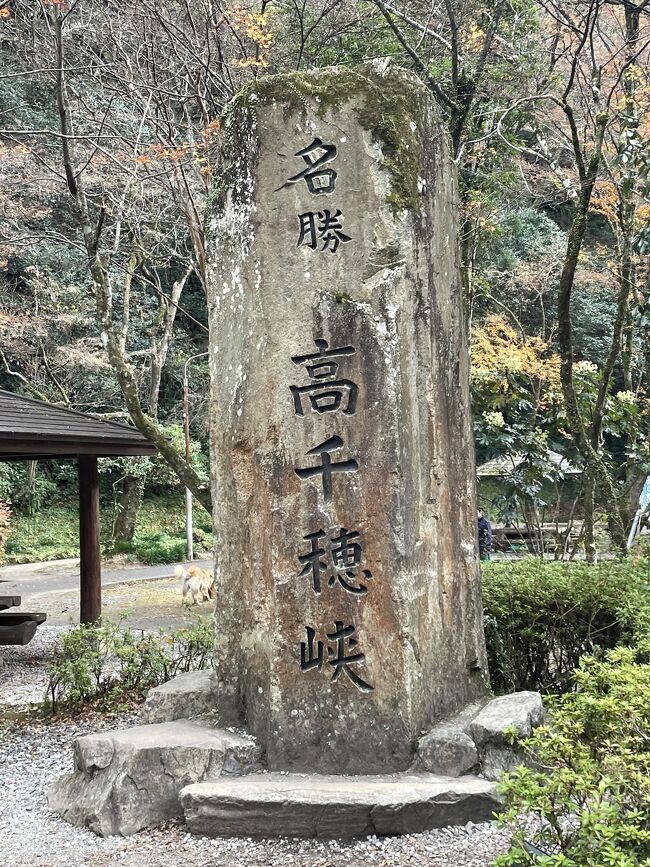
column 189, row 694
column 128, row 780
column 385, row 292
column 495, row 761
column 521, row 711
column 447, row 750
column 311, row 805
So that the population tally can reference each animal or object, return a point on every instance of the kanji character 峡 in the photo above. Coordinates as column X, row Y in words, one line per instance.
column 340, row 657
column 307, row 658
column 319, row 180
column 325, row 392
column 329, row 230
column 339, row 661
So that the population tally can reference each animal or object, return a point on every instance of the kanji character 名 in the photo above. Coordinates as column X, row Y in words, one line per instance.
column 340, row 657
column 342, row 564
column 327, row 467
column 325, row 392
column 329, row 230
column 319, row 180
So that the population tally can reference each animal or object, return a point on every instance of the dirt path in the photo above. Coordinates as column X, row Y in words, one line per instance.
column 147, row 597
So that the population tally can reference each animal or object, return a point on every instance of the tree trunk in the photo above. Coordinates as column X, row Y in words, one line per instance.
column 127, row 509
column 595, row 466
column 588, row 506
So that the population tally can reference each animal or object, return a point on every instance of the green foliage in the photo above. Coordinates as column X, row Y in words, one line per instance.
column 542, row 616
column 53, row 532
column 27, row 492
column 161, row 548
column 589, row 779
column 105, row 663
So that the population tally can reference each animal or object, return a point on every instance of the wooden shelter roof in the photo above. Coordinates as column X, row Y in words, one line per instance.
column 32, row 429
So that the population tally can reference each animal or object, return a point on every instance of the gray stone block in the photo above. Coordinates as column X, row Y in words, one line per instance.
column 187, row 695
column 128, row 780
column 521, row 711
column 312, row 805
column 495, row 761
column 447, row 750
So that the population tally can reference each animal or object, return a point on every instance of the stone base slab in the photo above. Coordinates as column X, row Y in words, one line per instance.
column 128, row 780
column 328, row 806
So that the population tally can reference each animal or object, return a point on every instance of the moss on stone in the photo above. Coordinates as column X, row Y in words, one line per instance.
column 389, row 110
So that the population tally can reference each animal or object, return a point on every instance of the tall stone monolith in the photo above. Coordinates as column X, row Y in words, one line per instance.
column 348, row 610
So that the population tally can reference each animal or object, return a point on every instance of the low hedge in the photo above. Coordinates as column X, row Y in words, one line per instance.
column 541, row 617
column 587, row 783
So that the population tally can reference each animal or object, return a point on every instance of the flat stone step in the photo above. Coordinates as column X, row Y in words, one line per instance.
column 313, row 805
column 130, row 779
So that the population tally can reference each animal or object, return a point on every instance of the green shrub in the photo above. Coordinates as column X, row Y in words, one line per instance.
column 103, row 663
column 541, row 617
column 589, row 780
column 162, row 548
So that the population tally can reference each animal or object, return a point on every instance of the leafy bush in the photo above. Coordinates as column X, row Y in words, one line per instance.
column 101, row 663
column 541, row 617
column 589, row 784
column 161, row 548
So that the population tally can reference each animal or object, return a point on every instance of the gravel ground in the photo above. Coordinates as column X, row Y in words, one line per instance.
column 33, row 756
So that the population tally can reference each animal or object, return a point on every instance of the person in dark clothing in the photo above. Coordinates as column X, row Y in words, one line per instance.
column 484, row 536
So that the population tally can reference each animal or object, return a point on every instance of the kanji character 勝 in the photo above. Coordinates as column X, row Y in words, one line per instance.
column 327, row 467
column 329, row 230
column 319, row 180
column 325, row 392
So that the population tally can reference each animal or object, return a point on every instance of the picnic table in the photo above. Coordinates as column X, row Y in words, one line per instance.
column 517, row 539
column 17, row 627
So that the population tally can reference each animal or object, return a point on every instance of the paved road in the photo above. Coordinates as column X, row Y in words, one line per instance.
column 32, row 580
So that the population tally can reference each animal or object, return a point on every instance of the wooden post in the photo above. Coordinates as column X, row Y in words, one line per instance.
column 90, row 570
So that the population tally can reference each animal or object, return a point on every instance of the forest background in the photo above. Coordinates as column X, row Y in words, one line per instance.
column 109, row 116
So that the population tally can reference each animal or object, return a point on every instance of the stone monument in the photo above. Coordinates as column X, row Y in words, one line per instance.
column 349, row 638
column 348, row 614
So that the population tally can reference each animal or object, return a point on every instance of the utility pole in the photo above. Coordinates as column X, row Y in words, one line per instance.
column 186, row 426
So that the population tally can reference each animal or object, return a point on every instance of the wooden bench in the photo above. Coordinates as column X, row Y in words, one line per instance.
column 19, row 627
column 9, row 602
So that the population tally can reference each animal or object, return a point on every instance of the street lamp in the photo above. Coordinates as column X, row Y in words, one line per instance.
column 186, row 426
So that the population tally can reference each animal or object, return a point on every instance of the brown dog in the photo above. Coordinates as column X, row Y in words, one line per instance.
column 198, row 584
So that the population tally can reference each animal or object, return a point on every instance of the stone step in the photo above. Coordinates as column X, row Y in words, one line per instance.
column 313, row 805
column 191, row 694
column 130, row 779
